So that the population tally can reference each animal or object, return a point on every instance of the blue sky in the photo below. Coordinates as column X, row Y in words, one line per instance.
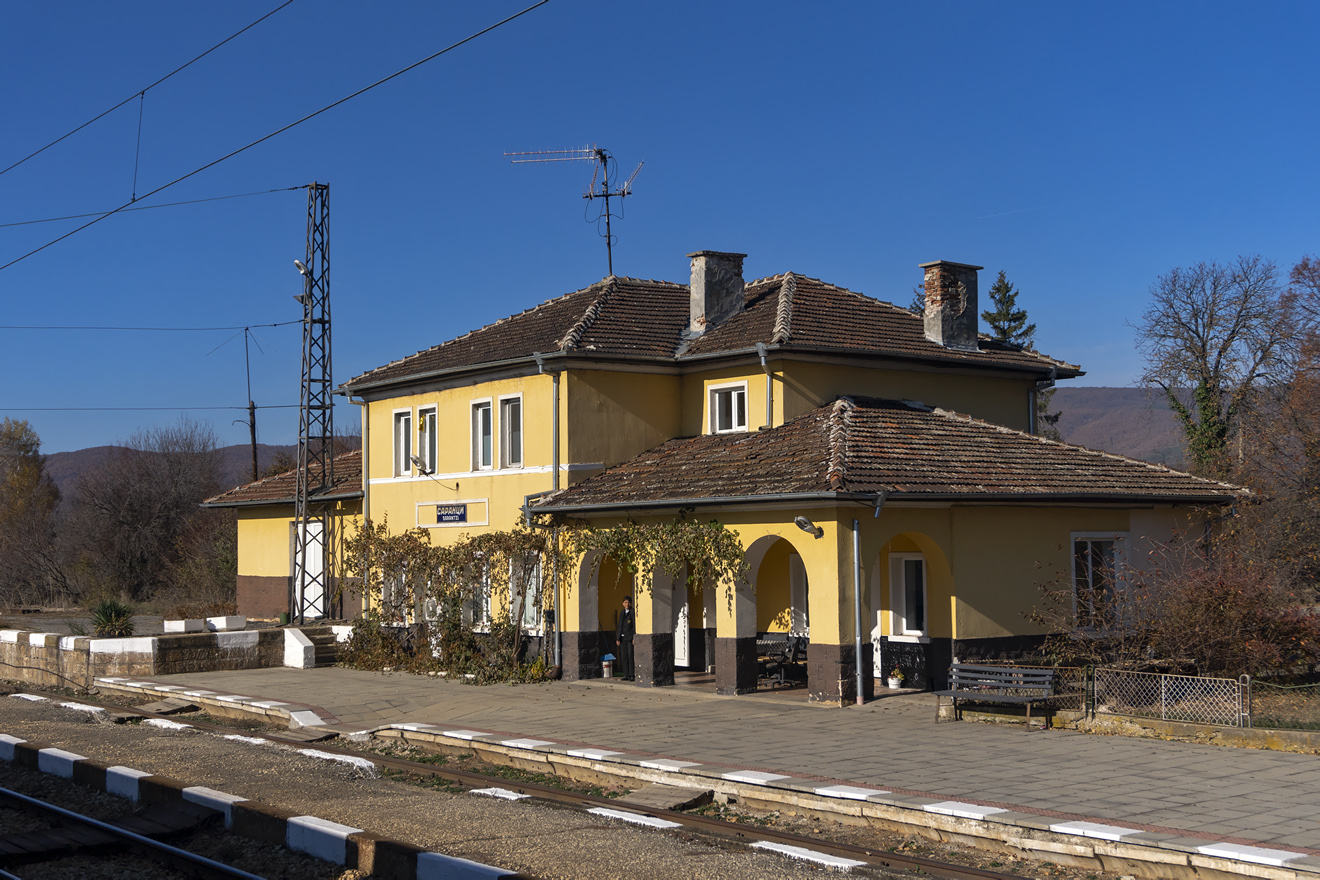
column 1084, row 149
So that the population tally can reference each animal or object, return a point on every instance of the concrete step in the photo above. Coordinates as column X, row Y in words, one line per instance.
column 670, row 797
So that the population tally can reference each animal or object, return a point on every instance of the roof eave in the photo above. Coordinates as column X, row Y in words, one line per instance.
column 342, row 496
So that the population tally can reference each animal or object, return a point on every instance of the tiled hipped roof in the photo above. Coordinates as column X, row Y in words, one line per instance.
column 632, row 317
column 282, row 488
column 863, row 446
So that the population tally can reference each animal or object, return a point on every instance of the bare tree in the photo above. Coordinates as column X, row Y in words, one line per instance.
column 30, row 572
column 131, row 513
column 1218, row 331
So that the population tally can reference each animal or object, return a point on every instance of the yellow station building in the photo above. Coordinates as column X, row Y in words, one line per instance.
column 880, row 467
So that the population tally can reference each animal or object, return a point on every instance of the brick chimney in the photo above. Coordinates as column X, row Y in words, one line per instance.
column 717, row 289
column 952, row 312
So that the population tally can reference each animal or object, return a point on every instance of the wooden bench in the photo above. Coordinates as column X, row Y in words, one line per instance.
column 996, row 684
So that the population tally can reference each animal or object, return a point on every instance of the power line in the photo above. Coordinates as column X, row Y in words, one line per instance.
column 152, row 329
column 135, row 408
column 265, row 138
column 150, row 207
column 140, row 93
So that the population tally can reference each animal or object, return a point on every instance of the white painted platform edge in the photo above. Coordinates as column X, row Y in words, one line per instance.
column 216, row 800
column 123, row 781
column 593, row 754
column 808, row 855
column 1094, row 829
column 499, row 793
column 304, row 718
column 1241, row 852
column 850, row 792
column 83, row 707
column 438, row 866
column 635, row 818
column 7, row 744
column 666, row 764
column 29, row 697
column 317, row 837
column 466, row 734
column 962, row 810
column 753, row 777
column 58, row 762
column 526, row 743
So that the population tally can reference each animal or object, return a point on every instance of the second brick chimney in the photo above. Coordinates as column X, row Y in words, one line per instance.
column 952, row 312
column 717, row 289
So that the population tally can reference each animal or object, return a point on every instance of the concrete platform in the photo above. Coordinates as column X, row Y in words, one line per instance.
column 1241, row 810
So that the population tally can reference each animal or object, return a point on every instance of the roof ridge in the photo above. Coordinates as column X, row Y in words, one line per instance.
column 784, row 314
column 1003, row 429
column 575, row 333
column 840, row 421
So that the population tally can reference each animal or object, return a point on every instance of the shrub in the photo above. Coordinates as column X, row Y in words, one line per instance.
column 112, row 619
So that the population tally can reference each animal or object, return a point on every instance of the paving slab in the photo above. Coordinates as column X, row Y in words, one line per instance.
column 1184, row 790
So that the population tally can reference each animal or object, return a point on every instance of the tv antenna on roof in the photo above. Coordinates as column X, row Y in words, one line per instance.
column 603, row 172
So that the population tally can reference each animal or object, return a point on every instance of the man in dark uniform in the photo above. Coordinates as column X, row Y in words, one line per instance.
column 623, row 638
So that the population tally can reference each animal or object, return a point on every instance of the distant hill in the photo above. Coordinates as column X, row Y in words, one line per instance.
column 1127, row 421
column 64, row 467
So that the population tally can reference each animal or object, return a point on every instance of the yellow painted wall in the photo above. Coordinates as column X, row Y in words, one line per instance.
column 807, row 386
column 696, row 397
column 263, row 541
column 773, row 599
column 613, row 417
column 613, row 586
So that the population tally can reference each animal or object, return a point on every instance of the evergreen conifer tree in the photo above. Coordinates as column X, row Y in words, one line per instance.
column 1007, row 322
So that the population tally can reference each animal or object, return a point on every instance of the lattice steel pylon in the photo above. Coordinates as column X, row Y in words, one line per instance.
column 311, row 594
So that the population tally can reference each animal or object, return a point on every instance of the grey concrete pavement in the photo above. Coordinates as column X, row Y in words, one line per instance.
column 1269, row 798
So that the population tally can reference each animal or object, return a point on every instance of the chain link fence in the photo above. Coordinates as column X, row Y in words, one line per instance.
column 1223, row 701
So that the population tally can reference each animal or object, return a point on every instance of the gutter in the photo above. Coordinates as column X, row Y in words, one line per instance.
column 347, row 496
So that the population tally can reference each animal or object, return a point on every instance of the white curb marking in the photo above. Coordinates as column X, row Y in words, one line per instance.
column 465, row 734
column 667, row 765
column 1094, row 829
column 321, row 838
column 962, row 810
column 352, row 760
column 807, row 855
column 755, row 777
column 438, row 866
column 1258, row 854
column 851, row 792
column 166, row 724
column 216, row 800
column 526, row 743
column 58, row 762
column 33, row 697
column 82, row 707
column 305, row 718
column 7, row 744
column 593, row 754
column 499, row 793
column 123, row 781
column 250, row 740
column 635, row 818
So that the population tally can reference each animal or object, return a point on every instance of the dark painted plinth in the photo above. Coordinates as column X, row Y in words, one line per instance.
column 581, row 653
column 832, row 674
column 735, row 666
column 654, row 655
column 924, row 665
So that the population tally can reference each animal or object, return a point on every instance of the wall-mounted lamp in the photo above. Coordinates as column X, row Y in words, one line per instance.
column 808, row 526
column 421, row 467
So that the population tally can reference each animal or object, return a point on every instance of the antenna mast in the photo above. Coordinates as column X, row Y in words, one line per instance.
column 312, row 528
column 603, row 158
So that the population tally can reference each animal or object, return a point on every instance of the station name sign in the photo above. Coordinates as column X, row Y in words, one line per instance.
column 451, row 513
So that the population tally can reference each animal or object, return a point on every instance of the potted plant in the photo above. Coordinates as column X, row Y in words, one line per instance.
column 895, row 679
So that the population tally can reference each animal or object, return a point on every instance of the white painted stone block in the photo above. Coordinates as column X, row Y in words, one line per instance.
column 1094, row 829
column 10, row 635
column 527, row 743
column 635, row 818
column 123, row 781
column 851, row 792
column 809, row 855
column 216, row 800
column 7, row 744
column 321, row 838
column 44, row 640
column 57, row 762
column 756, row 777
column 184, row 626
column 299, row 652
column 304, row 718
column 1258, row 854
column 593, row 754
column 668, row 765
column 438, row 866
column 140, row 645
column 962, row 810
column 222, row 624
column 342, row 633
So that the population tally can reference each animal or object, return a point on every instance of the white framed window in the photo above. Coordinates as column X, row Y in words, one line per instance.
column 403, row 449
column 511, row 432
column 483, row 436
column 525, row 591
column 728, row 408
column 476, row 607
column 907, row 594
column 1098, row 560
column 427, row 438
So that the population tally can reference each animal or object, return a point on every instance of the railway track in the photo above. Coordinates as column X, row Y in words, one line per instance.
column 704, row 826
column 74, row 834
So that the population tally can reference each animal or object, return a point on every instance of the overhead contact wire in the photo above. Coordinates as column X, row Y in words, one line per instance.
column 279, row 131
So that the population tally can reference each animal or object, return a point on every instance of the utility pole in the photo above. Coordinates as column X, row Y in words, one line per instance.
column 313, row 535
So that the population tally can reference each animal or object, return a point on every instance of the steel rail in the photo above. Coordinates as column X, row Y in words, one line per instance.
column 720, row 828
column 197, row 866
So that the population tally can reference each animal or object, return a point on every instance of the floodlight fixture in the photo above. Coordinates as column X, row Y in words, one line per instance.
column 808, row 526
